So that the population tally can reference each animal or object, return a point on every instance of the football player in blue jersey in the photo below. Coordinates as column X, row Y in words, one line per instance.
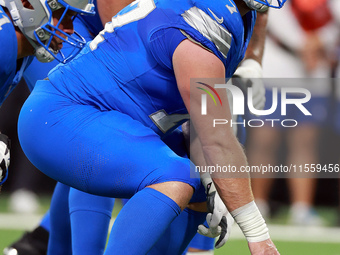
column 30, row 31
column 31, row 68
column 36, row 241
column 28, row 28
column 34, row 28
column 105, row 109
column 96, row 210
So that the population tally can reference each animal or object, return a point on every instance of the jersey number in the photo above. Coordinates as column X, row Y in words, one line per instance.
column 168, row 122
column 3, row 20
column 137, row 10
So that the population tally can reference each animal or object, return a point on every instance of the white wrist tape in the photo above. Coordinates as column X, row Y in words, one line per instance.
column 251, row 222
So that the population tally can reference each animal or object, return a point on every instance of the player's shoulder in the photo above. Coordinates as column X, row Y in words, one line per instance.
column 8, row 43
column 218, row 14
column 207, row 17
column 6, row 25
column 219, row 26
column 216, row 24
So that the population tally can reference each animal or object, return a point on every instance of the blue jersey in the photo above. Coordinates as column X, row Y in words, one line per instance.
column 10, row 73
column 91, row 104
column 128, row 66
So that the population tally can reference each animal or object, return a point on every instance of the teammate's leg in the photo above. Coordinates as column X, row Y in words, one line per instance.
column 90, row 219
column 178, row 235
column 152, row 212
column 60, row 234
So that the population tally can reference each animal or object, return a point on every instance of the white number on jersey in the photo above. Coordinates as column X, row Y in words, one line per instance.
column 139, row 10
column 3, row 20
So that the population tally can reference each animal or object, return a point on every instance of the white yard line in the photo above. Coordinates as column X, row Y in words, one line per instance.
column 19, row 221
column 277, row 232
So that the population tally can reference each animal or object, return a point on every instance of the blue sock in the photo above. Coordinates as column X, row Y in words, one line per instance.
column 178, row 235
column 60, row 233
column 45, row 222
column 90, row 219
column 141, row 222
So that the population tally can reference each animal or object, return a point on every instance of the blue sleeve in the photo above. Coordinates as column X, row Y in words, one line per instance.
column 163, row 44
column 8, row 55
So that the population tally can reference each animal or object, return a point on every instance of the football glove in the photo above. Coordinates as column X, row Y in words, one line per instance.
column 4, row 157
column 250, row 74
column 218, row 218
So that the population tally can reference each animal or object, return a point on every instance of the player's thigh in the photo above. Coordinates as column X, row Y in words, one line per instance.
column 101, row 152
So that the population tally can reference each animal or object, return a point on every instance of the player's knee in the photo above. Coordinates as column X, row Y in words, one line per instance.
column 174, row 171
column 174, row 180
column 179, row 192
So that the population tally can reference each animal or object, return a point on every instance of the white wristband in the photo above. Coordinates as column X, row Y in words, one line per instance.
column 251, row 222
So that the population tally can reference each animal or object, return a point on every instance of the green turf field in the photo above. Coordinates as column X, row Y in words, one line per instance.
column 239, row 247
column 233, row 247
column 291, row 245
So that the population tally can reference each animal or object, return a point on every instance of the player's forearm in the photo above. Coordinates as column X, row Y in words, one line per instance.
column 235, row 191
column 234, row 188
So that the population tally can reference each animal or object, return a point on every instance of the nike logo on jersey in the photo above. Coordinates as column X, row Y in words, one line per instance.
column 219, row 20
column 232, row 8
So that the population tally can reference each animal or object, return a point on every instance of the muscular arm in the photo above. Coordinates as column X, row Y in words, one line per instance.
column 219, row 145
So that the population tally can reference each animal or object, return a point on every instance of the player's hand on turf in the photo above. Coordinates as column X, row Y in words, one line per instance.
column 218, row 218
column 4, row 157
column 266, row 247
column 250, row 75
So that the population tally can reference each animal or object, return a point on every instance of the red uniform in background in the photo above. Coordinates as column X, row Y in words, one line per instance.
column 312, row 14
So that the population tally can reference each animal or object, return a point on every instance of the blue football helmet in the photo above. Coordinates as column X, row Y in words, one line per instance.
column 263, row 5
column 36, row 24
